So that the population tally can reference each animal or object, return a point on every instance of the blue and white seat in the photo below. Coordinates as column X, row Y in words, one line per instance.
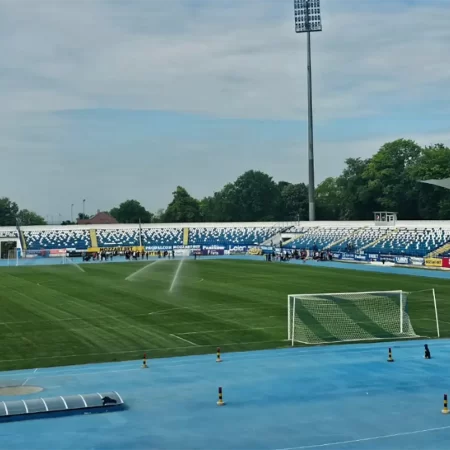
column 9, row 233
column 231, row 235
column 413, row 242
column 162, row 236
column 320, row 237
column 361, row 238
column 57, row 239
column 133, row 237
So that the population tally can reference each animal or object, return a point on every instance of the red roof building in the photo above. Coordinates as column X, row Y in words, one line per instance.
column 101, row 218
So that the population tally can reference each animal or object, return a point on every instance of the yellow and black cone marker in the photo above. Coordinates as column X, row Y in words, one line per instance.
column 144, row 362
column 218, row 359
column 390, row 359
column 445, row 410
column 220, row 402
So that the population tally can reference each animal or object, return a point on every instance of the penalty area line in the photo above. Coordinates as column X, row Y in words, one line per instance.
column 373, row 438
column 234, row 329
column 434, row 320
column 185, row 340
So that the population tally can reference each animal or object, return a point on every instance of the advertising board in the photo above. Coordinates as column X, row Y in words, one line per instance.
column 401, row 260
column 416, row 261
column 389, row 258
column 433, row 262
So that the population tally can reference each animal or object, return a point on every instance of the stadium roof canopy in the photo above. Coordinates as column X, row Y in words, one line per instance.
column 445, row 183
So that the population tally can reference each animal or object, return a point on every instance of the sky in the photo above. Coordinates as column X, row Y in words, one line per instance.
column 109, row 100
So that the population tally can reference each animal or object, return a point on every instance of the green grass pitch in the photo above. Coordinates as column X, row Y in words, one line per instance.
column 59, row 315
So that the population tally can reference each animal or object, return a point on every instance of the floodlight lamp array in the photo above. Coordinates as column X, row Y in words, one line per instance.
column 307, row 16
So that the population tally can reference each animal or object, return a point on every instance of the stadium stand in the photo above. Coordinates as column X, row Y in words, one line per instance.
column 417, row 242
column 408, row 238
column 52, row 239
column 123, row 237
column 132, row 237
column 231, row 235
column 8, row 233
column 323, row 238
column 361, row 238
column 162, row 236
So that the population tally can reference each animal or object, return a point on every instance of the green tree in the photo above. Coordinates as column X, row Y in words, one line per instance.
column 8, row 212
column 254, row 196
column 294, row 201
column 82, row 216
column 26, row 217
column 328, row 199
column 158, row 216
column 224, row 206
column 183, row 207
column 389, row 184
column 208, row 207
column 354, row 197
column 433, row 202
column 131, row 211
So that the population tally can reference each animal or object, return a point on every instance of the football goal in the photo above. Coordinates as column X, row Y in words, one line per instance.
column 13, row 257
column 356, row 316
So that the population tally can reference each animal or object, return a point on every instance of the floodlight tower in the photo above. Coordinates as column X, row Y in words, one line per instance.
column 307, row 20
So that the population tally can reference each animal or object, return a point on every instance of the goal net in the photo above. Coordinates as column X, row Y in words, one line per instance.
column 351, row 316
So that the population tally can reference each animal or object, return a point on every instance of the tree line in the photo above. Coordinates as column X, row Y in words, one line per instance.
column 11, row 214
column 388, row 181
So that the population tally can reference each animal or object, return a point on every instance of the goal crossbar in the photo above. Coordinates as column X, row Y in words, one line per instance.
column 348, row 293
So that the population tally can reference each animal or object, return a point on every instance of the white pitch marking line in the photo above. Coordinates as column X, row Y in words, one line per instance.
column 163, row 311
column 434, row 320
column 373, row 438
column 35, row 370
column 25, row 382
column 185, row 340
column 234, row 329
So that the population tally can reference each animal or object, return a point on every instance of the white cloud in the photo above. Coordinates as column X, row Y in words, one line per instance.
column 227, row 58
column 238, row 61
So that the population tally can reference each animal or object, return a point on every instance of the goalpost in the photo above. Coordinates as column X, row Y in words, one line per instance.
column 354, row 316
column 13, row 257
